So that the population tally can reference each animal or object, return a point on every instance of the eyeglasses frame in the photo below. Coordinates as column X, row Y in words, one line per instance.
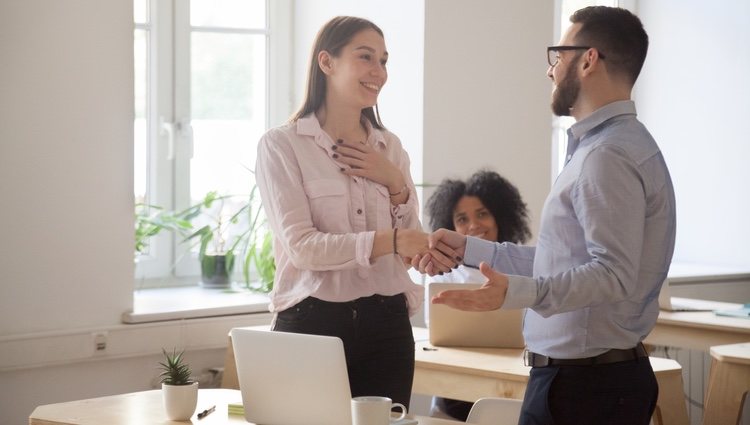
column 558, row 49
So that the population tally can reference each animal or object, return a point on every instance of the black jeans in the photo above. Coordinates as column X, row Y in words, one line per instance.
column 621, row 393
column 377, row 336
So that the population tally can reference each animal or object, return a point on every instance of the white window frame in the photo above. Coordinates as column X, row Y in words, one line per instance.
column 560, row 125
column 170, row 141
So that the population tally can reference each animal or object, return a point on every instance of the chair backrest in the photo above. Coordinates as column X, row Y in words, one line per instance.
column 495, row 411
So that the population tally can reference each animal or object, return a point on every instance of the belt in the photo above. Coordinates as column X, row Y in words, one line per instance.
column 611, row 356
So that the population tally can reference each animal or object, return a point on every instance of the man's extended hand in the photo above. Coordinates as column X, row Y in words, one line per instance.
column 447, row 242
column 489, row 296
column 415, row 243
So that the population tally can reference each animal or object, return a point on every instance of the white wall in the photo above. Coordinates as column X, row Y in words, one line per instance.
column 66, row 105
column 694, row 96
column 66, row 163
column 486, row 100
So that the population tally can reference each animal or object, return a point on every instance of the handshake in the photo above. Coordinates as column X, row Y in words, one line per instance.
column 440, row 252
column 431, row 253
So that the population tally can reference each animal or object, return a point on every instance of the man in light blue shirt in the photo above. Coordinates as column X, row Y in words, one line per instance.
column 606, row 240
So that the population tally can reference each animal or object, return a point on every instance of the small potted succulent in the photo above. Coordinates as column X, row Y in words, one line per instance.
column 179, row 391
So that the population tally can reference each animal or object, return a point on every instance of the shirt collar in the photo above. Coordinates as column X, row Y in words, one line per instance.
column 620, row 107
column 310, row 126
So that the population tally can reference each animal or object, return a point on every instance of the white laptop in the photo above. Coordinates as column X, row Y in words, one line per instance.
column 293, row 379
column 449, row 327
column 669, row 303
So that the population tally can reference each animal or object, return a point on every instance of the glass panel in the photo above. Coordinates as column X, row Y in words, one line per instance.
column 228, row 98
column 140, row 130
column 140, row 11
column 570, row 6
column 562, row 124
column 228, row 13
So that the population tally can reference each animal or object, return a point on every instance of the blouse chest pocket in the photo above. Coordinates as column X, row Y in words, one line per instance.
column 329, row 204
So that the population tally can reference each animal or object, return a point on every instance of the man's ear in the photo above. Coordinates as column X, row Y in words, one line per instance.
column 590, row 61
column 325, row 62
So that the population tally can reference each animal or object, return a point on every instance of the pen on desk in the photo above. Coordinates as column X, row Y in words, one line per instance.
column 429, row 349
column 206, row 412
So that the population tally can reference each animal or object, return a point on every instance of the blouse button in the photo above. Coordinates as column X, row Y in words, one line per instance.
column 359, row 211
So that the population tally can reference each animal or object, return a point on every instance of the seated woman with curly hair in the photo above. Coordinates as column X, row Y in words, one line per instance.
column 486, row 206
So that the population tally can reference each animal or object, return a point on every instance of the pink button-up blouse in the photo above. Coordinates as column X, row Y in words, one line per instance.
column 324, row 221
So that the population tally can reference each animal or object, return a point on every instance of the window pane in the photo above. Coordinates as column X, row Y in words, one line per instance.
column 140, row 130
column 228, row 98
column 140, row 11
column 570, row 6
column 228, row 13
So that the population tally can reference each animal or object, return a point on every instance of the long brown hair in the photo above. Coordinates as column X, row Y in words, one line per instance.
column 334, row 35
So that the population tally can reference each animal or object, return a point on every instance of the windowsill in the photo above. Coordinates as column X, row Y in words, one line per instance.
column 190, row 302
column 683, row 272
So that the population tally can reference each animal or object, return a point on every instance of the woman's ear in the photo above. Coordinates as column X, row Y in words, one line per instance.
column 325, row 62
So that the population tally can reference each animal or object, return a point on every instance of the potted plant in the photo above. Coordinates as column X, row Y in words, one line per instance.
column 179, row 391
column 150, row 220
column 230, row 228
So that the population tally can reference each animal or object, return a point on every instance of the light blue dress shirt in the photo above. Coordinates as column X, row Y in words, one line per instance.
column 605, row 243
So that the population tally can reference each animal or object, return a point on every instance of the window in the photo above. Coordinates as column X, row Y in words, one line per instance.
column 705, row 147
column 560, row 125
column 206, row 88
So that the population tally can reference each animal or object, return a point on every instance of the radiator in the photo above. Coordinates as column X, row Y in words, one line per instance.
column 695, row 368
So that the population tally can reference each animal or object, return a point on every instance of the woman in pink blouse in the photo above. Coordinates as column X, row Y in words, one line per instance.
column 341, row 204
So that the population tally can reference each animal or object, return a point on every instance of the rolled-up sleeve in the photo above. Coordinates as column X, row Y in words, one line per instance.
column 406, row 215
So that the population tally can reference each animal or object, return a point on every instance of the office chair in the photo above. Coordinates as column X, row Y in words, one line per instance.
column 495, row 411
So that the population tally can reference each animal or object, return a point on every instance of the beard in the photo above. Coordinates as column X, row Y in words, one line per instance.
column 566, row 93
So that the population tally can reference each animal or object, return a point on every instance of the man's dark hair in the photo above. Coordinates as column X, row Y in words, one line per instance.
column 617, row 34
column 497, row 194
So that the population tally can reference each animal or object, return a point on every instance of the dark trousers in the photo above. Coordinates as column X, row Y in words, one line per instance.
column 621, row 393
column 377, row 336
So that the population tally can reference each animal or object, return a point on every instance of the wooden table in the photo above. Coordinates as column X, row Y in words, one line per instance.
column 698, row 330
column 145, row 408
column 471, row 373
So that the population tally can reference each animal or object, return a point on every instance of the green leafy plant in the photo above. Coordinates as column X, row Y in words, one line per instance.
column 150, row 220
column 174, row 369
column 227, row 225
column 264, row 263
column 238, row 233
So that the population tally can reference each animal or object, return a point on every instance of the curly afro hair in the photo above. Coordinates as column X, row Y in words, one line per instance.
column 497, row 194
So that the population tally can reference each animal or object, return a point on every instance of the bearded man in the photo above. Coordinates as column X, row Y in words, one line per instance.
column 606, row 240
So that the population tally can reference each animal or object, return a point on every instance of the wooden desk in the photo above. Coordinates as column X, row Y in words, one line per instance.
column 471, row 373
column 145, row 408
column 698, row 330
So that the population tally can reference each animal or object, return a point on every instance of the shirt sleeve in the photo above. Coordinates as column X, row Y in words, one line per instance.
column 505, row 257
column 287, row 208
column 406, row 215
column 517, row 261
column 610, row 204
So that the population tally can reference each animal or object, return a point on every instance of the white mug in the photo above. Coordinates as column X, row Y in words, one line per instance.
column 374, row 410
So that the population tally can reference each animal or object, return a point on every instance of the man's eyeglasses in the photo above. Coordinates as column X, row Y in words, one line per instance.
column 553, row 52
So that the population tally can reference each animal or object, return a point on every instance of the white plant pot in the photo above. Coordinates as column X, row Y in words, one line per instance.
column 180, row 401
